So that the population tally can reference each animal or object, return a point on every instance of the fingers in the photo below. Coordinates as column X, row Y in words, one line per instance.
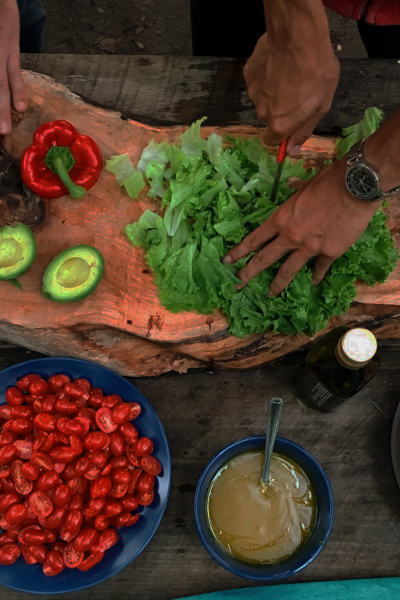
column 299, row 136
column 255, row 240
column 5, row 115
column 262, row 260
column 287, row 272
column 16, row 83
column 321, row 266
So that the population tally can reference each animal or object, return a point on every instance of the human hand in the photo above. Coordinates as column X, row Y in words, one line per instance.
column 321, row 219
column 292, row 86
column 12, row 88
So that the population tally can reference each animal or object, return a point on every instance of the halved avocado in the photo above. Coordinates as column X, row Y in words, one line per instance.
column 17, row 250
column 73, row 274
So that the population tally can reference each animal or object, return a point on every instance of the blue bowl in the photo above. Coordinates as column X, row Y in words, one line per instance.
column 317, row 539
column 132, row 540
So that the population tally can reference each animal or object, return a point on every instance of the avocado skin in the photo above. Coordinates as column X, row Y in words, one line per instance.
column 22, row 234
column 51, row 271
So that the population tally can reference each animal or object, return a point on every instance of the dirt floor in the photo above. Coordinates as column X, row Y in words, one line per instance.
column 146, row 27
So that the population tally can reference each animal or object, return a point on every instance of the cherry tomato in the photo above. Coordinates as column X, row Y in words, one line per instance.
column 24, row 412
column 38, row 387
column 142, row 446
column 92, row 560
column 62, row 494
column 48, row 403
column 16, row 514
column 72, row 558
column 30, row 471
column 54, row 563
column 100, row 487
column 94, row 507
column 151, row 465
column 111, row 401
column 39, row 553
column 73, row 391
column 42, row 461
column 117, row 444
column 62, row 454
column 135, row 410
column 134, row 477
column 14, row 396
column 146, row 498
column 121, row 476
column 104, row 420
column 7, row 453
column 41, row 504
column 45, row 422
column 129, row 503
column 96, row 440
column 8, row 500
column 76, row 502
column 107, row 539
column 48, row 480
column 8, row 537
column 56, row 383
column 145, row 483
column 24, row 449
column 132, row 457
column 121, row 413
column 86, row 538
column 9, row 553
column 7, row 437
column 59, row 545
column 101, row 522
column 128, row 432
column 65, row 407
column 125, row 519
column 95, row 397
column 56, row 518
column 32, row 536
column 112, row 508
column 22, row 486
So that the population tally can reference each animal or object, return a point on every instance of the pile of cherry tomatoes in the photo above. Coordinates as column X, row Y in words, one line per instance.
column 73, row 469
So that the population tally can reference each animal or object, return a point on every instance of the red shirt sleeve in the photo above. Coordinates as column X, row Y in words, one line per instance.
column 378, row 12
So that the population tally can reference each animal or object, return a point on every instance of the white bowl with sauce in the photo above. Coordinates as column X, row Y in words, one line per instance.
column 299, row 506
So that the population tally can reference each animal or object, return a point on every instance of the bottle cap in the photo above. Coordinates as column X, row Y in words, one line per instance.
column 356, row 348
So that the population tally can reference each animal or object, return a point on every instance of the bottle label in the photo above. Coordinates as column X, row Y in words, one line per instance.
column 313, row 391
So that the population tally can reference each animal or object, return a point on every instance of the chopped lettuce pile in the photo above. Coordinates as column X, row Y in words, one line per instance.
column 212, row 194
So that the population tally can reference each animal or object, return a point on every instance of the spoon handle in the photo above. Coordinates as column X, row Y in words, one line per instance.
column 274, row 415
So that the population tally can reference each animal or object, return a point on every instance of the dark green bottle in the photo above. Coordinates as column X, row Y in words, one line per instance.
column 336, row 368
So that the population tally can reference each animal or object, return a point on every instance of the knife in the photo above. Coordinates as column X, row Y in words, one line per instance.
column 279, row 159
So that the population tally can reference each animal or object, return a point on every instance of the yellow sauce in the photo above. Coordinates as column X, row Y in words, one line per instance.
column 259, row 526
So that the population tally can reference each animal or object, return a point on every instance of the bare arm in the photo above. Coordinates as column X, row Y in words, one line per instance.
column 293, row 72
column 11, row 83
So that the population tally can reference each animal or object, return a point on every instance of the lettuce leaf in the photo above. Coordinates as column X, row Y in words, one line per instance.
column 126, row 174
column 353, row 134
column 215, row 194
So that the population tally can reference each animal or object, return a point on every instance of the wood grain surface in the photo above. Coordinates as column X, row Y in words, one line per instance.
column 176, row 90
column 126, row 299
column 205, row 410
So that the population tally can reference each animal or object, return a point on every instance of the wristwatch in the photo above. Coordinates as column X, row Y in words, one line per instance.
column 361, row 179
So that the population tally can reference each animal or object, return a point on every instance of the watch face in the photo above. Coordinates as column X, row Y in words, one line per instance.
column 362, row 182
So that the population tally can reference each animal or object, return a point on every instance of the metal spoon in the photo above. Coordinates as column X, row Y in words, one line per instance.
column 274, row 415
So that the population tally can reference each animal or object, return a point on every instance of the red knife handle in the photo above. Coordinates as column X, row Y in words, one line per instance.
column 282, row 152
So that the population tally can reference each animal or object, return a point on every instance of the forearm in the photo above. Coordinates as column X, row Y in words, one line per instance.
column 382, row 151
column 296, row 22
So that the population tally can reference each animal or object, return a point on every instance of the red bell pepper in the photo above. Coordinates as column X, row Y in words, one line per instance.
column 60, row 161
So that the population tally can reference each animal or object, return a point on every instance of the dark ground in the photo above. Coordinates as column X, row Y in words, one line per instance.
column 146, row 27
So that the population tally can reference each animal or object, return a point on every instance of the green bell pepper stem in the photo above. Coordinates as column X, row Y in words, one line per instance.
column 76, row 191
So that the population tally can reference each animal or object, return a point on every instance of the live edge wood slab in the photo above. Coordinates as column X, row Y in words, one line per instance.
column 122, row 324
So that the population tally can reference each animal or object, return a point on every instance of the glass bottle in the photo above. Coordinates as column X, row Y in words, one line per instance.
column 336, row 368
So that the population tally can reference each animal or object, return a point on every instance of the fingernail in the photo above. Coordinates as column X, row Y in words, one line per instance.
column 294, row 151
column 20, row 106
column 239, row 286
column 314, row 282
column 227, row 260
column 270, row 294
column 4, row 127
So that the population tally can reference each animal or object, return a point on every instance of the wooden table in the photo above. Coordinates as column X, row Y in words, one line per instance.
column 203, row 411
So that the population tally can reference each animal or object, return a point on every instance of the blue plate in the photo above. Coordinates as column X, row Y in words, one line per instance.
column 30, row 578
